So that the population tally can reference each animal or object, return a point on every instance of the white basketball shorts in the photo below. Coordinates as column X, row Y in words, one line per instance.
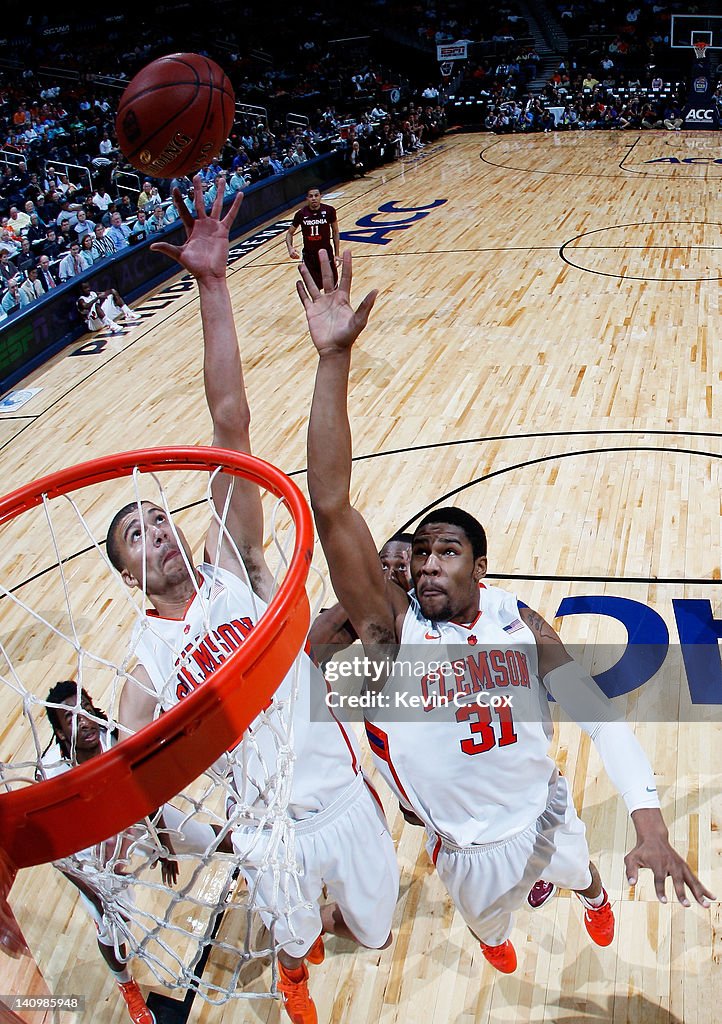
column 489, row 882
column 347, row 848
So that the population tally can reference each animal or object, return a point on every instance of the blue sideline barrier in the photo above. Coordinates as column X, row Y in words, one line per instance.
column 32, row 335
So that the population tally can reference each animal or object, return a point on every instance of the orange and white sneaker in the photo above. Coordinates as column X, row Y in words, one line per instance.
column 502, row 957
column 599, row 922
column 317, row 952
column 296, row 998
column 137, row 1009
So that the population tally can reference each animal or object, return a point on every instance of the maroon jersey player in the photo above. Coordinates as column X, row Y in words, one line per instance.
column 319, row 229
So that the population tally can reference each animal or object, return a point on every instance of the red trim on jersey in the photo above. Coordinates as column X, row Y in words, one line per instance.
column 379, row 743
column 435, row 851
column 349, row 744
column 378, row 739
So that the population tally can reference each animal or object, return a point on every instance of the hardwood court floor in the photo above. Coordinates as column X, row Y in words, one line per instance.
column 544, row 350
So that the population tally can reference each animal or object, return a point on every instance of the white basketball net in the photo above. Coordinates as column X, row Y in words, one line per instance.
column 700, row 50
column 67, row 615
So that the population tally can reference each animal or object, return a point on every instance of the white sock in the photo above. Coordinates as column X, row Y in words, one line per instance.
column 127, row 310
column 123, row 977
column 593, row 902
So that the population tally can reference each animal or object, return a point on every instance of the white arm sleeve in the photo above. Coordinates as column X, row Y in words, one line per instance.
column 624, row 761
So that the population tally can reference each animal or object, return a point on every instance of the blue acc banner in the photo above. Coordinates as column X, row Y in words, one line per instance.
column 700, row 110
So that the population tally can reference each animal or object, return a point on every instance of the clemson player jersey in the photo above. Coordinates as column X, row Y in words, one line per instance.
column 180, row 654
column 463, row 728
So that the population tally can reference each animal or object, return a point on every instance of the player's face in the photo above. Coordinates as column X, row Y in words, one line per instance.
column 395, row 558
column 445, row 573
column 87, row 733
column 314, row 198
column 154, row 538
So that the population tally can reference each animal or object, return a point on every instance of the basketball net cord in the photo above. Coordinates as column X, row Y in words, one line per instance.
column 211, row 910
column 700, row 50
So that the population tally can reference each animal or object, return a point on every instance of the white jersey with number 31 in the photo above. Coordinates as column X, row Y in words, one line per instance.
column 464, row 731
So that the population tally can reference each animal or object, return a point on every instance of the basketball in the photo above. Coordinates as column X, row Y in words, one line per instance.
column 175, row 115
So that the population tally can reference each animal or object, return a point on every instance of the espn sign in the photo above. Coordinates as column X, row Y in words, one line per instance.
column 451, row 51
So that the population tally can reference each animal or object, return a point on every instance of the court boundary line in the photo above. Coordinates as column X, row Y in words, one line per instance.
column 667, row 580
column 594, row 174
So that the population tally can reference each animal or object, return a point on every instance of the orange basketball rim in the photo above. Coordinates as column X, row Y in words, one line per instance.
column 54, row 818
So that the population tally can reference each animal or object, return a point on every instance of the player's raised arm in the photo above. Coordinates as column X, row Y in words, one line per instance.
column 138, row 702
column 624, row 761
column 353, row 561
column 204, row 255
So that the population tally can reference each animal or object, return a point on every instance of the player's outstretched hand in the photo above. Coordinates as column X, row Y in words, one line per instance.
column 168, row 870
column 333, row 323
column 653, row 851
column 205, row 252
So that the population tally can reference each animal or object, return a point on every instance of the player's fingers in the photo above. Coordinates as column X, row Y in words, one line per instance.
column 365, row 307
column 183, row 212
column 700, row 893
column 659, row 884
column 198, row 196
column 303, row 295
column 632, row 865
column 311, row 287
column 344, row 284
column 166, row 249
column 326, row 272
column 680, row 888
column 235, row 206
column 220, row 196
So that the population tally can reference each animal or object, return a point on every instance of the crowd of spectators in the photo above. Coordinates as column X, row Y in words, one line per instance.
column 579, row 100
column 68, row 200
column 619, row 72
column 56, row 223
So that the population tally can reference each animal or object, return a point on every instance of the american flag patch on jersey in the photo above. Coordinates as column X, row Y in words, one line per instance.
column 513, row 626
